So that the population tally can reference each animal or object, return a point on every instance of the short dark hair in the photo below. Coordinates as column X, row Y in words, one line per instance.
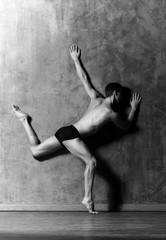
column 111, row 87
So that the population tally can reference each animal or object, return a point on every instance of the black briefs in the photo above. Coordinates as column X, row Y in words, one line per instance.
column 67, row 133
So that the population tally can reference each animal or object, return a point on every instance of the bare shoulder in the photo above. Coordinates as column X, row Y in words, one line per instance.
column 96, row 95
column 95, row 102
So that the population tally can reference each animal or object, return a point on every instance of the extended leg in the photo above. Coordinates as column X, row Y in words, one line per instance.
column 24, row 119
column 38, row 149
column 80, row 150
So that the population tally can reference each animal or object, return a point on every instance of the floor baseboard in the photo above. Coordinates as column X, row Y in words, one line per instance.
column 100, row 207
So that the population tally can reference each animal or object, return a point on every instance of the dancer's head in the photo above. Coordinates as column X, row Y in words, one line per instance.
column 114, row 89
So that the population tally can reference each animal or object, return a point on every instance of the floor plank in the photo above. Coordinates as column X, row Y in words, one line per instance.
column 82, row 226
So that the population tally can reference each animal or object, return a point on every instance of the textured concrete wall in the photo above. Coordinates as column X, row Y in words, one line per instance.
column 121, row 40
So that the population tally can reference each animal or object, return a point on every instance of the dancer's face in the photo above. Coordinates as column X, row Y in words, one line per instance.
column 117, row 96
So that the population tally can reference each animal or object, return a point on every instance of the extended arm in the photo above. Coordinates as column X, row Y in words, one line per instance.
column 75, row 53
column 135, row 102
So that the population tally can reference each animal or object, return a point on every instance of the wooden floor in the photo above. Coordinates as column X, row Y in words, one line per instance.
column 82, row 226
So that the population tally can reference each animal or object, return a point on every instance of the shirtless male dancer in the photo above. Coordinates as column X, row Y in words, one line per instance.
column 101, row 110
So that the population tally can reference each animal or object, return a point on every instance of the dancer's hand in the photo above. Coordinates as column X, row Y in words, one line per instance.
column 75, row 52
column 136, row 100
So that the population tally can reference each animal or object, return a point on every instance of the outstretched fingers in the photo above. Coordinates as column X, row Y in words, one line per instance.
column 136, row 97
column 75, row 51
column 135, row 100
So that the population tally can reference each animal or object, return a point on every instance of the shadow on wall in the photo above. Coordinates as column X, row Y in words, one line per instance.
column 110, row 133
column 107, row 134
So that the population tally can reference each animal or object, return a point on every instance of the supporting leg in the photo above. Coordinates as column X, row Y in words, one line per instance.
column 24, row 119
column 80, row 150
column 89, row 178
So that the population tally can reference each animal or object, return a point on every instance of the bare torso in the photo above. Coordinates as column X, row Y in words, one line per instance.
column 98, row 113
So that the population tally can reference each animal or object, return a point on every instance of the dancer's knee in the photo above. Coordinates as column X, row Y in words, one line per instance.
column 90, row 166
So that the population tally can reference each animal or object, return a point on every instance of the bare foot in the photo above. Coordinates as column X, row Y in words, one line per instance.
column 90, row 207
column 19, row 114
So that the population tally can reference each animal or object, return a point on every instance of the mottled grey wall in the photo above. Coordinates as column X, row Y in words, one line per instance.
column 121, row 40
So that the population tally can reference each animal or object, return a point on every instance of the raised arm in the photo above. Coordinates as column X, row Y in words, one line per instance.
column 75, row 53
column 126, row 124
